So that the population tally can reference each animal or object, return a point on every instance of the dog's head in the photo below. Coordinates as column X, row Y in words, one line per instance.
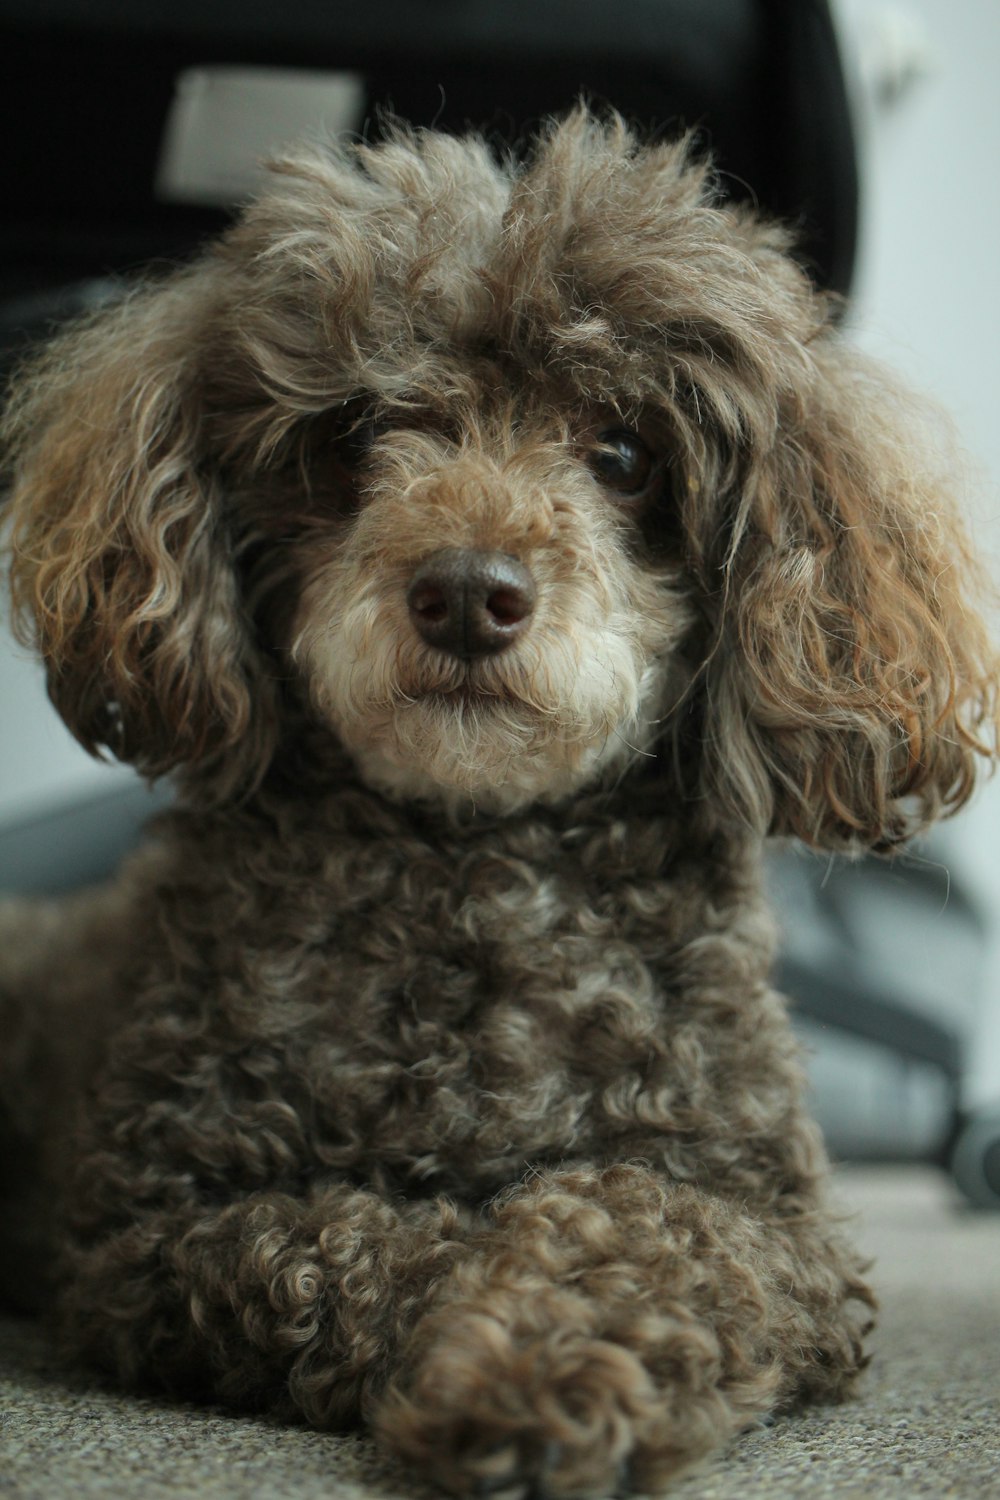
column 520, row 476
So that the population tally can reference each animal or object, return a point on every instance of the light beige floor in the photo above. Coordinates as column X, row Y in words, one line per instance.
column 928, row 1423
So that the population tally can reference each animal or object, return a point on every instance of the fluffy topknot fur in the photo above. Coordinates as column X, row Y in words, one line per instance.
column 438, row 1078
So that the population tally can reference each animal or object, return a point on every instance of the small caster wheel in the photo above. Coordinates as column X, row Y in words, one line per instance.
column 975, row 1158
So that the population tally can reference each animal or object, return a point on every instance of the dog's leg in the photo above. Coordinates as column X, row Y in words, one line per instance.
column 61, row 989
column 292, row 1305
column 611, row 1330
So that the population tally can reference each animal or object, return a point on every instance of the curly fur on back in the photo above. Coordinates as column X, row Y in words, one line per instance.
column 437, row 1074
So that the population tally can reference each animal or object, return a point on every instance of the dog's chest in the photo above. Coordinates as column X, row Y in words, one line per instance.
column 466, row 1008
column 448, row 1011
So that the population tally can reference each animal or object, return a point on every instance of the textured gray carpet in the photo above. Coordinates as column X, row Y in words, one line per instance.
column 927, row 1424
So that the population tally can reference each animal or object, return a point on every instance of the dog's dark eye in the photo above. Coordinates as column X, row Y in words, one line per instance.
column 622, row 462
column 361, row 427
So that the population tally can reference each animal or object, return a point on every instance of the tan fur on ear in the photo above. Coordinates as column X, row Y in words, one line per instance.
column 120, row 572
column 854, row 685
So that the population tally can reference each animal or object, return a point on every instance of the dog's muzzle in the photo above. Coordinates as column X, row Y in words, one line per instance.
column 470, row 603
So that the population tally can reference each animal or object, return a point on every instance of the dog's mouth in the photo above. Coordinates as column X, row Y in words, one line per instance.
column 470, row 697
column 467, row 688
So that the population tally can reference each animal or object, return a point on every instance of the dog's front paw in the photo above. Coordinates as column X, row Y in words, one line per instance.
column 490, row 1405
column 485, row 1414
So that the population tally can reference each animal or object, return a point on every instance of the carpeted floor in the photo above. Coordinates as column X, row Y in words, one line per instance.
column 928, row 1422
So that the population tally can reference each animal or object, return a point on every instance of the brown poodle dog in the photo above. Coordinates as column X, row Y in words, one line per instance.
column 495, row 555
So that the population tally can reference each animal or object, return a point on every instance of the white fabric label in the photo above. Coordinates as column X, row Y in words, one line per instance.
column 224, row 122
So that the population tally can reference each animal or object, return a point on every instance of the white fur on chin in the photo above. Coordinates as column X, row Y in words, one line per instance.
column 459, row 759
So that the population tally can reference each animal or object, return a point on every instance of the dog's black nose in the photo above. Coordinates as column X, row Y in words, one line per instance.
column 470, row 603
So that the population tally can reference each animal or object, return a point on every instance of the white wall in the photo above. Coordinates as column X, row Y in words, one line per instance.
column 928, row 301
column 927, row 293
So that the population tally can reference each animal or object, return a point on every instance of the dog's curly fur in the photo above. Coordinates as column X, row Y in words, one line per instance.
column 424, row 1066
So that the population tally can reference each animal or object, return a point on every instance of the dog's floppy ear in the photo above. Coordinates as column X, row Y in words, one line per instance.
column 852, row 684
column 120, row 567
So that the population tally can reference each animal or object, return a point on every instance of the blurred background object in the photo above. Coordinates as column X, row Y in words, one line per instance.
column 129, row 131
